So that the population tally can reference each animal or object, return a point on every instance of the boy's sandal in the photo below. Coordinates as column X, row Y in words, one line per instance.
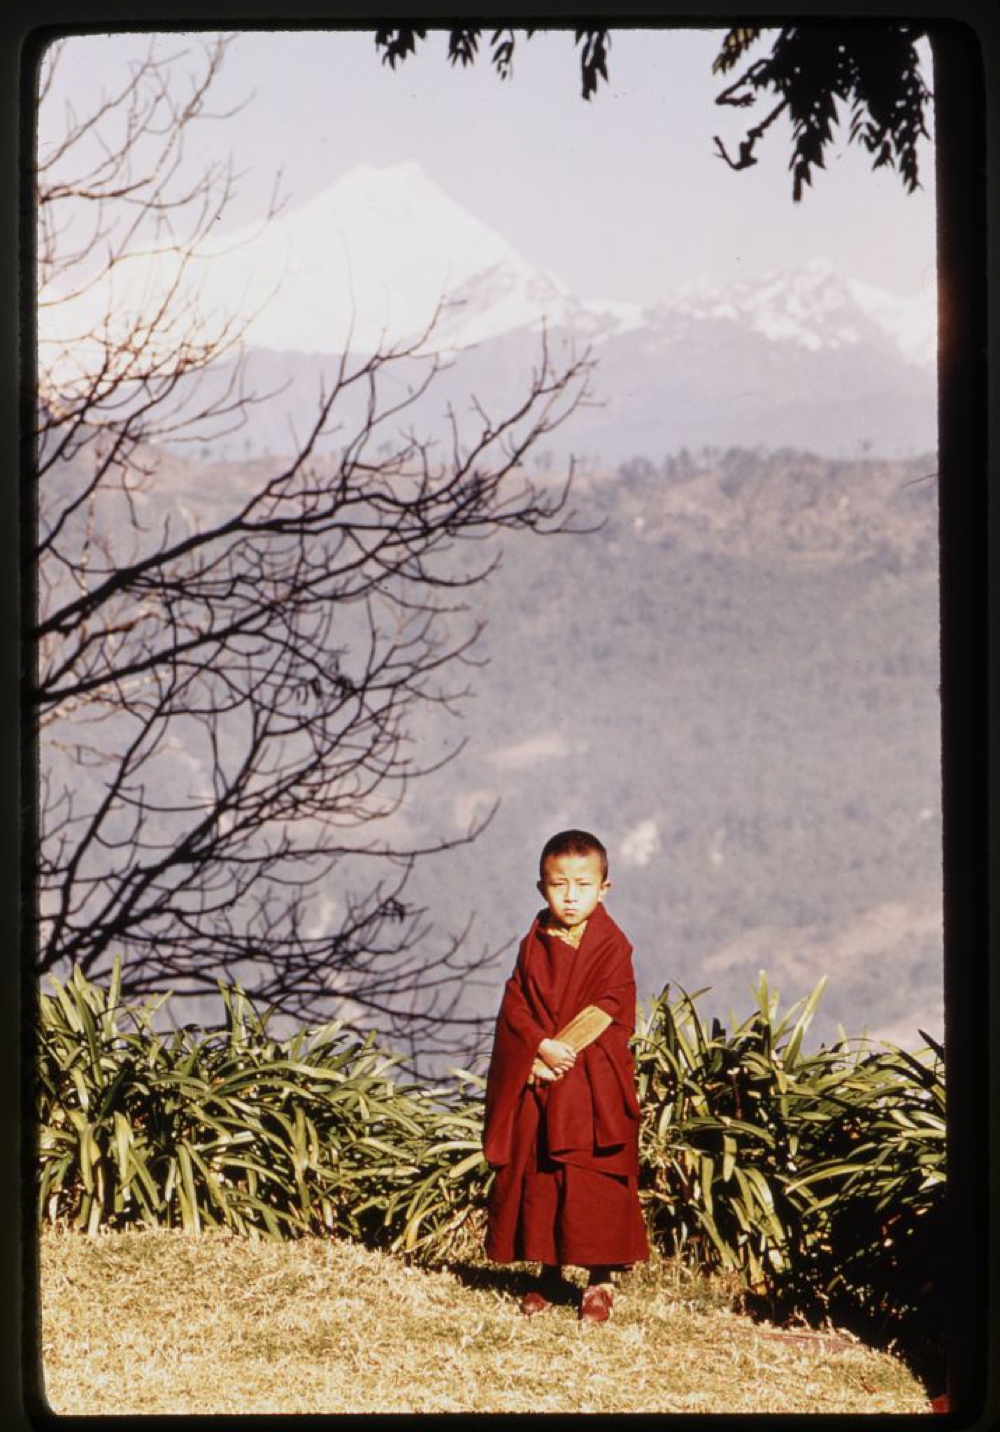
column 595, row 1306
column 534, row 1302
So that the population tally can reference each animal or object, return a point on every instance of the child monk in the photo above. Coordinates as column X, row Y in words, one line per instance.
column 562, row 1118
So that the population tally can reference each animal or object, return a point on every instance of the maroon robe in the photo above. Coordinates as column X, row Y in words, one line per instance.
column 567, row 1153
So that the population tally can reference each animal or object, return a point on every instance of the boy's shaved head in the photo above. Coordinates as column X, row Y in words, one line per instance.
column 573, row 842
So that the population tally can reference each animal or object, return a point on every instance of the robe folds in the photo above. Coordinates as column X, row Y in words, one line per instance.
column 566, row 1153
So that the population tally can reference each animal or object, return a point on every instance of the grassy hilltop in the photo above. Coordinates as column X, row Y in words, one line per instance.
column 167, row 1323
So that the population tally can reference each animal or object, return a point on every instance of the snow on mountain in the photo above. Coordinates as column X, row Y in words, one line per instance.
column 370, row 258
column 818, row 308
column 384, row 246
column 373, row 255
column 367, row 261
column 910, row 322
column 809, row 357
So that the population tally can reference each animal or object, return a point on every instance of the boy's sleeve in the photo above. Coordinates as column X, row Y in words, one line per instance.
column 517, row 1037
column 610, row 1053
column 515, row 1017
column 618, row 1003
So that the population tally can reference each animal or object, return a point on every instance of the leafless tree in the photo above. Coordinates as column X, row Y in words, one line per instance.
column 225, row 692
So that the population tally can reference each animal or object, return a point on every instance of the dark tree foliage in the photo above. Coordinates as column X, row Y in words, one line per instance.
column 463, row 47
column 873, row 69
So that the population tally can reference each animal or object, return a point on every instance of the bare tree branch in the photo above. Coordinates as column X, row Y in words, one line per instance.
column 226, row 691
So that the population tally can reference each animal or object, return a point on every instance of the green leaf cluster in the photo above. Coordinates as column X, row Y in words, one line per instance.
column 237, row 1130
column 816, row 1177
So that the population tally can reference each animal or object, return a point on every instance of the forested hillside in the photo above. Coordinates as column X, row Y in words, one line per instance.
column 729, row 670
column 735, row 681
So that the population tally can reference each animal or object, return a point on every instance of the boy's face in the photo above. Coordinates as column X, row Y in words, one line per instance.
column 572, row 887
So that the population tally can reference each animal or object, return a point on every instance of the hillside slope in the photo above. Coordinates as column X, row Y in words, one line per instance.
column 158, row 1323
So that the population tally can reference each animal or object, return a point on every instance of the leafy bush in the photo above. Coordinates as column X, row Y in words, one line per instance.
column 266, row 1138
column 817, row 1177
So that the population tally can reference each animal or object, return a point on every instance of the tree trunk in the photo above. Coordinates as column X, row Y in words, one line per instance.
column 959, row 104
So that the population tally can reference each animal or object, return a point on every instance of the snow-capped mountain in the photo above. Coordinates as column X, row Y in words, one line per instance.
column 818, row 308
column 381, row 248
column 370, row 257
column 810, row 358
column 373, row 255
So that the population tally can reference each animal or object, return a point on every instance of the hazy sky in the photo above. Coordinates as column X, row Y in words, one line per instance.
column 623, row 197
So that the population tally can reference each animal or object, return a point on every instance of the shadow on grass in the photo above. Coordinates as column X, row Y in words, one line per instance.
column 918, row 1343
column 511, row 1280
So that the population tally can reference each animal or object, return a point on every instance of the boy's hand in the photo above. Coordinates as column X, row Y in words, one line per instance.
column 542, row 1074
column 558, row 1056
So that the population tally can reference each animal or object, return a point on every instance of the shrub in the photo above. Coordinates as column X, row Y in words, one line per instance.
column 817, row 1177
column 267, row 1138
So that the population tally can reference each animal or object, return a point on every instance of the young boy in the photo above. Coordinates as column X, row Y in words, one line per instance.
column 562, row 1119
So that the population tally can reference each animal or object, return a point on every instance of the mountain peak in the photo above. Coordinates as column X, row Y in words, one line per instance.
column 816, row 306
column 369, row 258
column 384, row 189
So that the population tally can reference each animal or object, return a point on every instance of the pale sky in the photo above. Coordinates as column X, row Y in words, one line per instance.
column 623, row 197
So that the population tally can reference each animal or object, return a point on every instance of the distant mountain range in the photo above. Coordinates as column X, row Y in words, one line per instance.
column 379, row 248
column 810, row 358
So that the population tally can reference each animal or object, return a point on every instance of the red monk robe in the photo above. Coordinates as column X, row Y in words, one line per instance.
column 567, row 1152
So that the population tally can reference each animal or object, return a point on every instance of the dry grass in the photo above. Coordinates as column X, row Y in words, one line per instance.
column 165, row 1322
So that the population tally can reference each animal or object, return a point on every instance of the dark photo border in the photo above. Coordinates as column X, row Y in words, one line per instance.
column 966, row 45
